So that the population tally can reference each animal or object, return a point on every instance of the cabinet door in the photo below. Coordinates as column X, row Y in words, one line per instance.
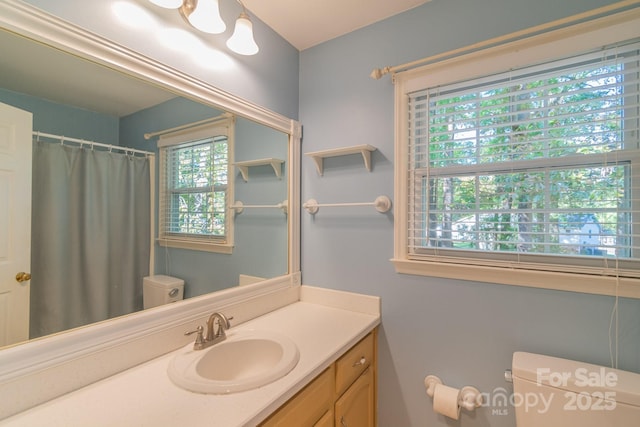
column 356, row 406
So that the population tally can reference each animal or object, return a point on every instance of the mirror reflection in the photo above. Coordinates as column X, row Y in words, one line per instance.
column 95, row 210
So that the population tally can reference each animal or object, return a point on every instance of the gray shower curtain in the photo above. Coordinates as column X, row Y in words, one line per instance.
column 90, row 236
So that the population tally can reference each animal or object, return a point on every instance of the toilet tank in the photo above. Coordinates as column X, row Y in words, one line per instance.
column 550, row 391
column 160, row 289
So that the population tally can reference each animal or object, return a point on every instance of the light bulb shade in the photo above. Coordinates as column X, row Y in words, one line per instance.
column 206, row 17
column 242, row 41
column 167, row 4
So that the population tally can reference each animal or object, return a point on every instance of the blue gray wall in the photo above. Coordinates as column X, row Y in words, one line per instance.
column 464, row 332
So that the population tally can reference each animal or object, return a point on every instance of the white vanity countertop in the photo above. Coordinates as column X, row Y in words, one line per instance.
column 145, row 396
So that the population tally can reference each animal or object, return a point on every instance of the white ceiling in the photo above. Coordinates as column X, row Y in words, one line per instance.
column 306, row 23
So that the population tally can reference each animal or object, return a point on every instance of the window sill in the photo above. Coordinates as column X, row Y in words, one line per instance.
column 196, row 246
column 573, row 282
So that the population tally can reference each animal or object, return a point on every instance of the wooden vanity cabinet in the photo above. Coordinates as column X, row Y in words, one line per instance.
column 344, row 395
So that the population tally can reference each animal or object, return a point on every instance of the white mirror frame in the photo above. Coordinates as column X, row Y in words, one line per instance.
column 97, row 350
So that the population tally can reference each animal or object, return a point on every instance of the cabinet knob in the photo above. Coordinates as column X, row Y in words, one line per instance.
column 343, row 423
column 360, row 362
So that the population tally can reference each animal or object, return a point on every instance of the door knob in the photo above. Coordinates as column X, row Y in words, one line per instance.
column 23, row 277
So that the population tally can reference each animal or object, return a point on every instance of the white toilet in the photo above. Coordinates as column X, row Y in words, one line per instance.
column 161, row 289
column 553, row 392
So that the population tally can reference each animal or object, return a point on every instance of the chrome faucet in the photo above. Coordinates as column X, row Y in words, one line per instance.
column 214, row 335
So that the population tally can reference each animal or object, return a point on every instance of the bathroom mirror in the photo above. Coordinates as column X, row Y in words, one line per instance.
column 134, row 86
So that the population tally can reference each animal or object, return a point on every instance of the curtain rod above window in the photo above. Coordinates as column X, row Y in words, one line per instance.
column 378, row 73
column 211, row 120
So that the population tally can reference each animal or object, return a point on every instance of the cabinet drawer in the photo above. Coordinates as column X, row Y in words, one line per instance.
column 308, row 406
column 353, row 363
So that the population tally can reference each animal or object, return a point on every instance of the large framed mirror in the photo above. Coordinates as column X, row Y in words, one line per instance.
column 95, row 91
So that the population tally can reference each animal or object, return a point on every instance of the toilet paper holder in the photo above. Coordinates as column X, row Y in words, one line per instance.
column 469, row 399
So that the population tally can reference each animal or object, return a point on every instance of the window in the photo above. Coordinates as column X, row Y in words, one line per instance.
column 195, row 189
column 530, row 169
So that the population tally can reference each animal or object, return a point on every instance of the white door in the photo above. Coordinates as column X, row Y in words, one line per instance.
column 15, row 223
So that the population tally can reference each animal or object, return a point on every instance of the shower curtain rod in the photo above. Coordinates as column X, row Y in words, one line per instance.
column 378, row 73
column 222, row 116
column 63, row 138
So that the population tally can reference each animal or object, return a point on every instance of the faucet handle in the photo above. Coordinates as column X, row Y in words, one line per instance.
column 223, row 324
column 199, row 338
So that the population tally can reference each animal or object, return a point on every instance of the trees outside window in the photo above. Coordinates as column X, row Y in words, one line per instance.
column 523, row 166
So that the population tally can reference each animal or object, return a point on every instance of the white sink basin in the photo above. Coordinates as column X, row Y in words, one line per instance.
column 245, row 360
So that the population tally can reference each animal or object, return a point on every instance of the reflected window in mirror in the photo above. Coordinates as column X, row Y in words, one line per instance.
column 195, row 189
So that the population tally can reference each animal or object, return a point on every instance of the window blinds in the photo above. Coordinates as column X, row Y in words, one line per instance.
column 538, row 165
column 194, row 180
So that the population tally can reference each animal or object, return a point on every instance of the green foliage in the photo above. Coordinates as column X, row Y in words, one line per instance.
column 515, row 128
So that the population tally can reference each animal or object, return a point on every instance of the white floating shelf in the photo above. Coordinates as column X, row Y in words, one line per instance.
column 364, row 149
column 276, row 164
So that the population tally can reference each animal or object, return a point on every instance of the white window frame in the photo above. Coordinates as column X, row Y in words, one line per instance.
column 536, row 49
column 173, row 139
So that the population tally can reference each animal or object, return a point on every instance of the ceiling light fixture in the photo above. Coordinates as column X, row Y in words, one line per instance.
column 204, row 15
column 242, row 41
